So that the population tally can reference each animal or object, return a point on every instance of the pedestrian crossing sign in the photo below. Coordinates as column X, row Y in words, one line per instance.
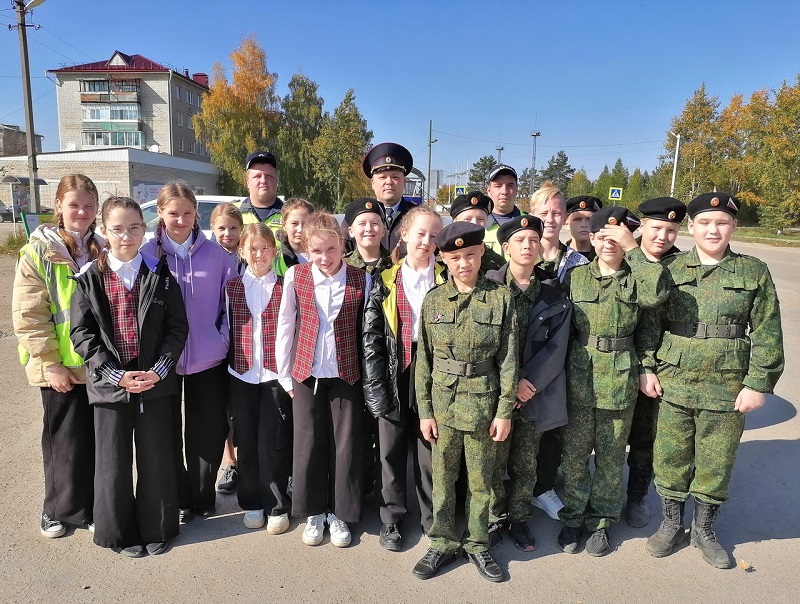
column 615, row 193
column 459, row 191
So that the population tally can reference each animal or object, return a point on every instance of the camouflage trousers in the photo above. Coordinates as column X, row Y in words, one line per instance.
column 516, row 456
column 643, row 434
column 480, row 452
column 694, row 452
column 594, row 501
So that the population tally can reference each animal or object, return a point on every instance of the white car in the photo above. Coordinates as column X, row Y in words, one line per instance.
column 205, row 205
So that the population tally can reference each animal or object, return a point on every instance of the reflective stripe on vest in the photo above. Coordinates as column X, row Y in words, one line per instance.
column 60, row 290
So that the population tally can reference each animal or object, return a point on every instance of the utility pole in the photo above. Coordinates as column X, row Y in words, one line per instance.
column 499, row 149
column 535, row 134
column 431, row 140
column 675, row 162
column 30, row 135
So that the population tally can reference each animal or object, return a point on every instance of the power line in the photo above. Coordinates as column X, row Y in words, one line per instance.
column 67, row 43
column 2, row 117
column 483, row 140
column 53, row 49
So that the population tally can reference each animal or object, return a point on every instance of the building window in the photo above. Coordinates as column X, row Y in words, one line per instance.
column 125, row 85
column 178, row 92
column 122, row 111
column 180, row 144
column 114, row 139
column 191, row 147
column 94, row 86
column 181, row 121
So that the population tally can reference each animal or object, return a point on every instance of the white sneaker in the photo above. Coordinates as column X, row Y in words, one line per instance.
column 254, row 519
column 315, row 527
column 549, row 503
column 340, row 533
column 278, row 524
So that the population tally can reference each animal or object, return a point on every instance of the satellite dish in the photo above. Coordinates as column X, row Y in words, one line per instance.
column 154, row 148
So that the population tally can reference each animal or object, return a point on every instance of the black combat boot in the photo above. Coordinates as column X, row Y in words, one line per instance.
column 671, row 532
column 703, row 537
column 637, row 512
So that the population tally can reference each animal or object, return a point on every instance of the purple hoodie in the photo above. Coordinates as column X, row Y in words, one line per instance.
column 202, row 276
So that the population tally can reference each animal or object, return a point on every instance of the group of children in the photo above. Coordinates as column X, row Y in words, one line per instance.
column 325, row 369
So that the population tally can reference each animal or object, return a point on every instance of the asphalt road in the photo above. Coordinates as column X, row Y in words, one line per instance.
column 218, row 559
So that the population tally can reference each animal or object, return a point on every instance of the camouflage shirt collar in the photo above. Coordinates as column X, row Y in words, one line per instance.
column 727, row 263
column 479, row 291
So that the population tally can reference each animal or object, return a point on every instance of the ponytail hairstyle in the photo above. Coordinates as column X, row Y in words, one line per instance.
column 170, row 191
column 255, row 229
column 322, row 223
column 67, row 184
column 112, row 203
column 405, row 225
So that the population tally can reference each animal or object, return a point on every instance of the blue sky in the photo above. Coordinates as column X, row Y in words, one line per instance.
column 598, row 79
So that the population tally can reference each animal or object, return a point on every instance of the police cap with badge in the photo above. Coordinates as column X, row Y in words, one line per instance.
column 363, row 206
column 458, row 235
column 668, row 209
column 613, row 215
column 712, row 202
column 387, row 156
column 583, row 203
column 260, row 157
column 519, row 223
column 471, row 201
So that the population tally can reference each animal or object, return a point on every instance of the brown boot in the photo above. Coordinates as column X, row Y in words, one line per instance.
column 703, row 537
column 671, row 531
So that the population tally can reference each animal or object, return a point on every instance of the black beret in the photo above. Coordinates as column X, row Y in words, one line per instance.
column 499, row 170
column 520, row 223
column 471, row 201
column 711, row 202
column 613, row 215
column 583, row 203
column 387, row 156
column 260, row 157
column 458, row 235
column 663, row 208
column 363, row 206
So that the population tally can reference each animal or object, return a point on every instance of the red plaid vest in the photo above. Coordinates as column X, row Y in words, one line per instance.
column 241, row 322
column 405, row 323
column 346, row 326
column 124, row 307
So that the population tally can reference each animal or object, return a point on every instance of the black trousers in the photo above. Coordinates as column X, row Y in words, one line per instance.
column 548, row 460
column 68, row 455
column 643, row 435
column 264, row 440
column 203, row 435
column 395, row 438
column 124, row 517
column 327, row 467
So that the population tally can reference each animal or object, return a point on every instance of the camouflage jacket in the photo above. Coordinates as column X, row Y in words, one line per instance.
column 611, row 306
column 467, row 327
column 354, row 259
column 709, row 373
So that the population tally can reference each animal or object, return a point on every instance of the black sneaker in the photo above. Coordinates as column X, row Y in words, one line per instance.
column 487, row 567
column 52, row 529
column 229, row 481
column 597, row 545
column 495, row 534
column 568, row 539
column 390, row 537
column 134, row 551
column 522, row 536
column 155, row 549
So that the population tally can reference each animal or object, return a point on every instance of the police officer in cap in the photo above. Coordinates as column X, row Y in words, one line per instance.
column 261, row 177
column 502, row 184
column 387, row 165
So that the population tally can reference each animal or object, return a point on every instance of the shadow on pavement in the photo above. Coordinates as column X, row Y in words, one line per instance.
column 776, row 411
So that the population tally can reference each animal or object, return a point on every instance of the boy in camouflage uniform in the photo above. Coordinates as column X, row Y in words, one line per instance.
column 608, row 296
column 466, row 382
column 721, row 352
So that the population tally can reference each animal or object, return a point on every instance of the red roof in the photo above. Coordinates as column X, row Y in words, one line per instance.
column 131, row 63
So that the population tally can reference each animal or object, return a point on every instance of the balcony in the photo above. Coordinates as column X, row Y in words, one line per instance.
column 109, row 97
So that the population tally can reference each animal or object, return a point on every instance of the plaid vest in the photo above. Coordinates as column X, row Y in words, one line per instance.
column 346, row 326
column 241, row 322
column 124, row 307
column 405, row 323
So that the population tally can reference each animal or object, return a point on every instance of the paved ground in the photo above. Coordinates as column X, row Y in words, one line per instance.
column 218, row 559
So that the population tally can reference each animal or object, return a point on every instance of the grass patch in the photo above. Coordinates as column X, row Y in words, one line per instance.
column 13, row 242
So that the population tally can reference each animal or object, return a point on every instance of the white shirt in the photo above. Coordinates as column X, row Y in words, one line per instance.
column 257, row 293
column 182, row 249
column 83, row 250
column 126, row 271
column 328, row 297
column 415, row 286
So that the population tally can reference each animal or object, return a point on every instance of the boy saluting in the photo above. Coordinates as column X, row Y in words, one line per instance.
column 466, row 381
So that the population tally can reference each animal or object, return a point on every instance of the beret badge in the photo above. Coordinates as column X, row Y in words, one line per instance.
column 368, row 205
column 524, row 222
column 459, row 242
column 715, row 201
column 582, row 205
column 612, row 220
column 474, row 201
column 671, row 215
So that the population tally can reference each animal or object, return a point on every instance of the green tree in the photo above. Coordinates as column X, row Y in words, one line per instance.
column 338, row 150
column 301, row 121
column 602, row 185
column 445, row 194
column 479, row 172
column 579, row 184
column 558, row 171
column 525, row 188
column 634, row 193
column 658, row 182
column 239, row 116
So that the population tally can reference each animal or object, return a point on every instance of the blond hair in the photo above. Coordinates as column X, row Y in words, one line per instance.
column 229, row 210
column 320, row 224
column 252, row 230
column 296, row 203
column 543, row 194
column 67, row 184
column 405, row 225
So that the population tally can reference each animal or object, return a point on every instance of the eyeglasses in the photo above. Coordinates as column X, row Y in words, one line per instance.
column 135, row 230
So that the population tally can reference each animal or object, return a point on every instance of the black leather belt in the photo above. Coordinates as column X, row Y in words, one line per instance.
column 704, row 330
column 462, row 369
column 605, row 343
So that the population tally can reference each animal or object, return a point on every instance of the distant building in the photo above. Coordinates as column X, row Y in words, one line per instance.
column 130, row 101
column 12, row 141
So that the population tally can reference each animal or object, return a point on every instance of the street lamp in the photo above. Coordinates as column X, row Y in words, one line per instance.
column 535, row 134
column 22, row 8
column 675, row 162
column 499, row 149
